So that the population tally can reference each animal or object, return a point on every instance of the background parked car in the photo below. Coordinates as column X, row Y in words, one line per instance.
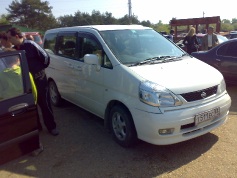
column 223, row 57
column 233, row 34
column 36, row 36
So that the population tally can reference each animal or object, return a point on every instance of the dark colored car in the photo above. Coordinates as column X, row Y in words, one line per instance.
column 223, row 57
column 18, row 114
column 233, row 34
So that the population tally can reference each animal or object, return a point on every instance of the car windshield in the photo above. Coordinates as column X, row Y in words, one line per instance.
column 134, row 46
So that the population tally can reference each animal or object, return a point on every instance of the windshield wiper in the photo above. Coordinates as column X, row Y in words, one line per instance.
column 155, row 60
column 146, row 61
column 170, row 58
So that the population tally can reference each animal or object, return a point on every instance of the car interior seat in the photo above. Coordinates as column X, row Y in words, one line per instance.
column 69, row 48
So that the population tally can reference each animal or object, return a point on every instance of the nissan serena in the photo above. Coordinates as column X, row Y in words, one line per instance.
column 140, row 83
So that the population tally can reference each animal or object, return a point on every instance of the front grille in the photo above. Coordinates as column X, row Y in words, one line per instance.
column 200, row 94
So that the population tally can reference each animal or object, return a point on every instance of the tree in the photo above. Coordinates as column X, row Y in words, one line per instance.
column 96, row 17
column 226, row 27
column 66, row 21
column 3, row 20
column 109, row 19
column 225, row 21
column 31, row 13
column 146, row 23
column 234, row 20
column 160, row 27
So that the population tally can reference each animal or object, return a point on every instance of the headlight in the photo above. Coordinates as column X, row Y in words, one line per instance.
column 156, row 95
column 222, row 87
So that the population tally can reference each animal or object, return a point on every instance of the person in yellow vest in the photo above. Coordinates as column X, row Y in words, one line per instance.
column 11, row 79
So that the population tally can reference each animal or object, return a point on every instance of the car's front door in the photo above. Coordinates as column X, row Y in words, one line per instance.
column 18, row 114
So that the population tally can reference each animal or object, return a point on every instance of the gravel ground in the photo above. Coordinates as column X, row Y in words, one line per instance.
column 85, row 149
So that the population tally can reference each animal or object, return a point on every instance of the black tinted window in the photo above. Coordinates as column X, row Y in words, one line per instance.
column 228, row 49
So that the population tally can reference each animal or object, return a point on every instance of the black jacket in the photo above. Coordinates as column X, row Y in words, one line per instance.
column 37, row 57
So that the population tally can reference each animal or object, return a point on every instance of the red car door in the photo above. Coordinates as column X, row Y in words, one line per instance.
column 18, row 111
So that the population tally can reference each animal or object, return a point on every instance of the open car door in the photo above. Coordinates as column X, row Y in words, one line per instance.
column 18, row 111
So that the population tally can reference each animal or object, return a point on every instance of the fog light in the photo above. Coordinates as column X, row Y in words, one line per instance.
column 166, row 131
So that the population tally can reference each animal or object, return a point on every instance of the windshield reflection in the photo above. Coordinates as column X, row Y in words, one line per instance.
column 133, row 46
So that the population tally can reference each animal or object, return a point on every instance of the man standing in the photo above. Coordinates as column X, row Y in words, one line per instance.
column 210, row 40
column 38, row 60
column 171, row 35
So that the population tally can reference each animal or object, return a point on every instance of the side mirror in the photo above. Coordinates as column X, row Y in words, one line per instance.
column 92, row 59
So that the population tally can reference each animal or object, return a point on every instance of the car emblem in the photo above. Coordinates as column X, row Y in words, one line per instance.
column 203, row 94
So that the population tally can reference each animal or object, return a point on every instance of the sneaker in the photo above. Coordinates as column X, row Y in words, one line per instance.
column 54, row 132
column 38, row 151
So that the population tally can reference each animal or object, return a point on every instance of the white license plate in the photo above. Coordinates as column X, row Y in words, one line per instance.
column 207, row 115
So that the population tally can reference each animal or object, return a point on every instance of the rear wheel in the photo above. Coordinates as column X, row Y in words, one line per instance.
column 122, row 126
column 55, row 97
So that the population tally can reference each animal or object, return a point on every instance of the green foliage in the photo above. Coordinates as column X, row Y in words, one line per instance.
column 31, row 13
column 226, row 27
column 3, row 20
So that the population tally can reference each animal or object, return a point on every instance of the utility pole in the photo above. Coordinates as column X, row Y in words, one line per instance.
column 130, row 11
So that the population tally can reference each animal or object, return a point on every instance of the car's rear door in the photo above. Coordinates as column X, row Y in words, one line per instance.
column 18, row 112
column 227, row 61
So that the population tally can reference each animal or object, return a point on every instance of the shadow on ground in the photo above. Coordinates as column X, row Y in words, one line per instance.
column 85, row 149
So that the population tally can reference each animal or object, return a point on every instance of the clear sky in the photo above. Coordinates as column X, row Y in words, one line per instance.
column 153, row 10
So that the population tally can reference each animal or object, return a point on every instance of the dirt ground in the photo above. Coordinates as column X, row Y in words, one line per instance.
column 85, row 149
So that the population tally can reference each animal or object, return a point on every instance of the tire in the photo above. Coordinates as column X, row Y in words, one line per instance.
column 55, row 97
column 122, row 127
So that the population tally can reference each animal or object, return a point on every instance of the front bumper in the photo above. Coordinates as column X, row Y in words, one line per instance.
column 181, row 120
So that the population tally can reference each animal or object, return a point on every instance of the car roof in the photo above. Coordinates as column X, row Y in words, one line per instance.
column 31, row 33
column 103, row 27
column 233, row 32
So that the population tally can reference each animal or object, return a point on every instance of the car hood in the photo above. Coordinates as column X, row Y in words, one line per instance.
column 183, row 76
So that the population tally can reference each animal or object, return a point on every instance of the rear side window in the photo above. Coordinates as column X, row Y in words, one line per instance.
column 66, row 45
column 228, row 50
column 49, row 42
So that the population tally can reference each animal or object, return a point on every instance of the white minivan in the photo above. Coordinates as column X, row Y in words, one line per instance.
column 140, row 83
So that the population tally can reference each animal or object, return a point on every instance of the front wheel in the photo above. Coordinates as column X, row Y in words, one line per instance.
column 55, row 97
column 122, row 126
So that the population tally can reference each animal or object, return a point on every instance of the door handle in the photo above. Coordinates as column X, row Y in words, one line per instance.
column 218, row 60
column 18, row 109
column 79, row 68
column 70, row 65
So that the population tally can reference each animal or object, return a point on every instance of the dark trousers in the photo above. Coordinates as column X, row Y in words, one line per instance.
column 43, row 100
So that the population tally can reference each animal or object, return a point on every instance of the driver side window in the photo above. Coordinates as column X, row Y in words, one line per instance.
column 11, row 84
column 88, row 45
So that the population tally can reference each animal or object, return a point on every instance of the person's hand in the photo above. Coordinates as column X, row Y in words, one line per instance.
column 9, row 49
